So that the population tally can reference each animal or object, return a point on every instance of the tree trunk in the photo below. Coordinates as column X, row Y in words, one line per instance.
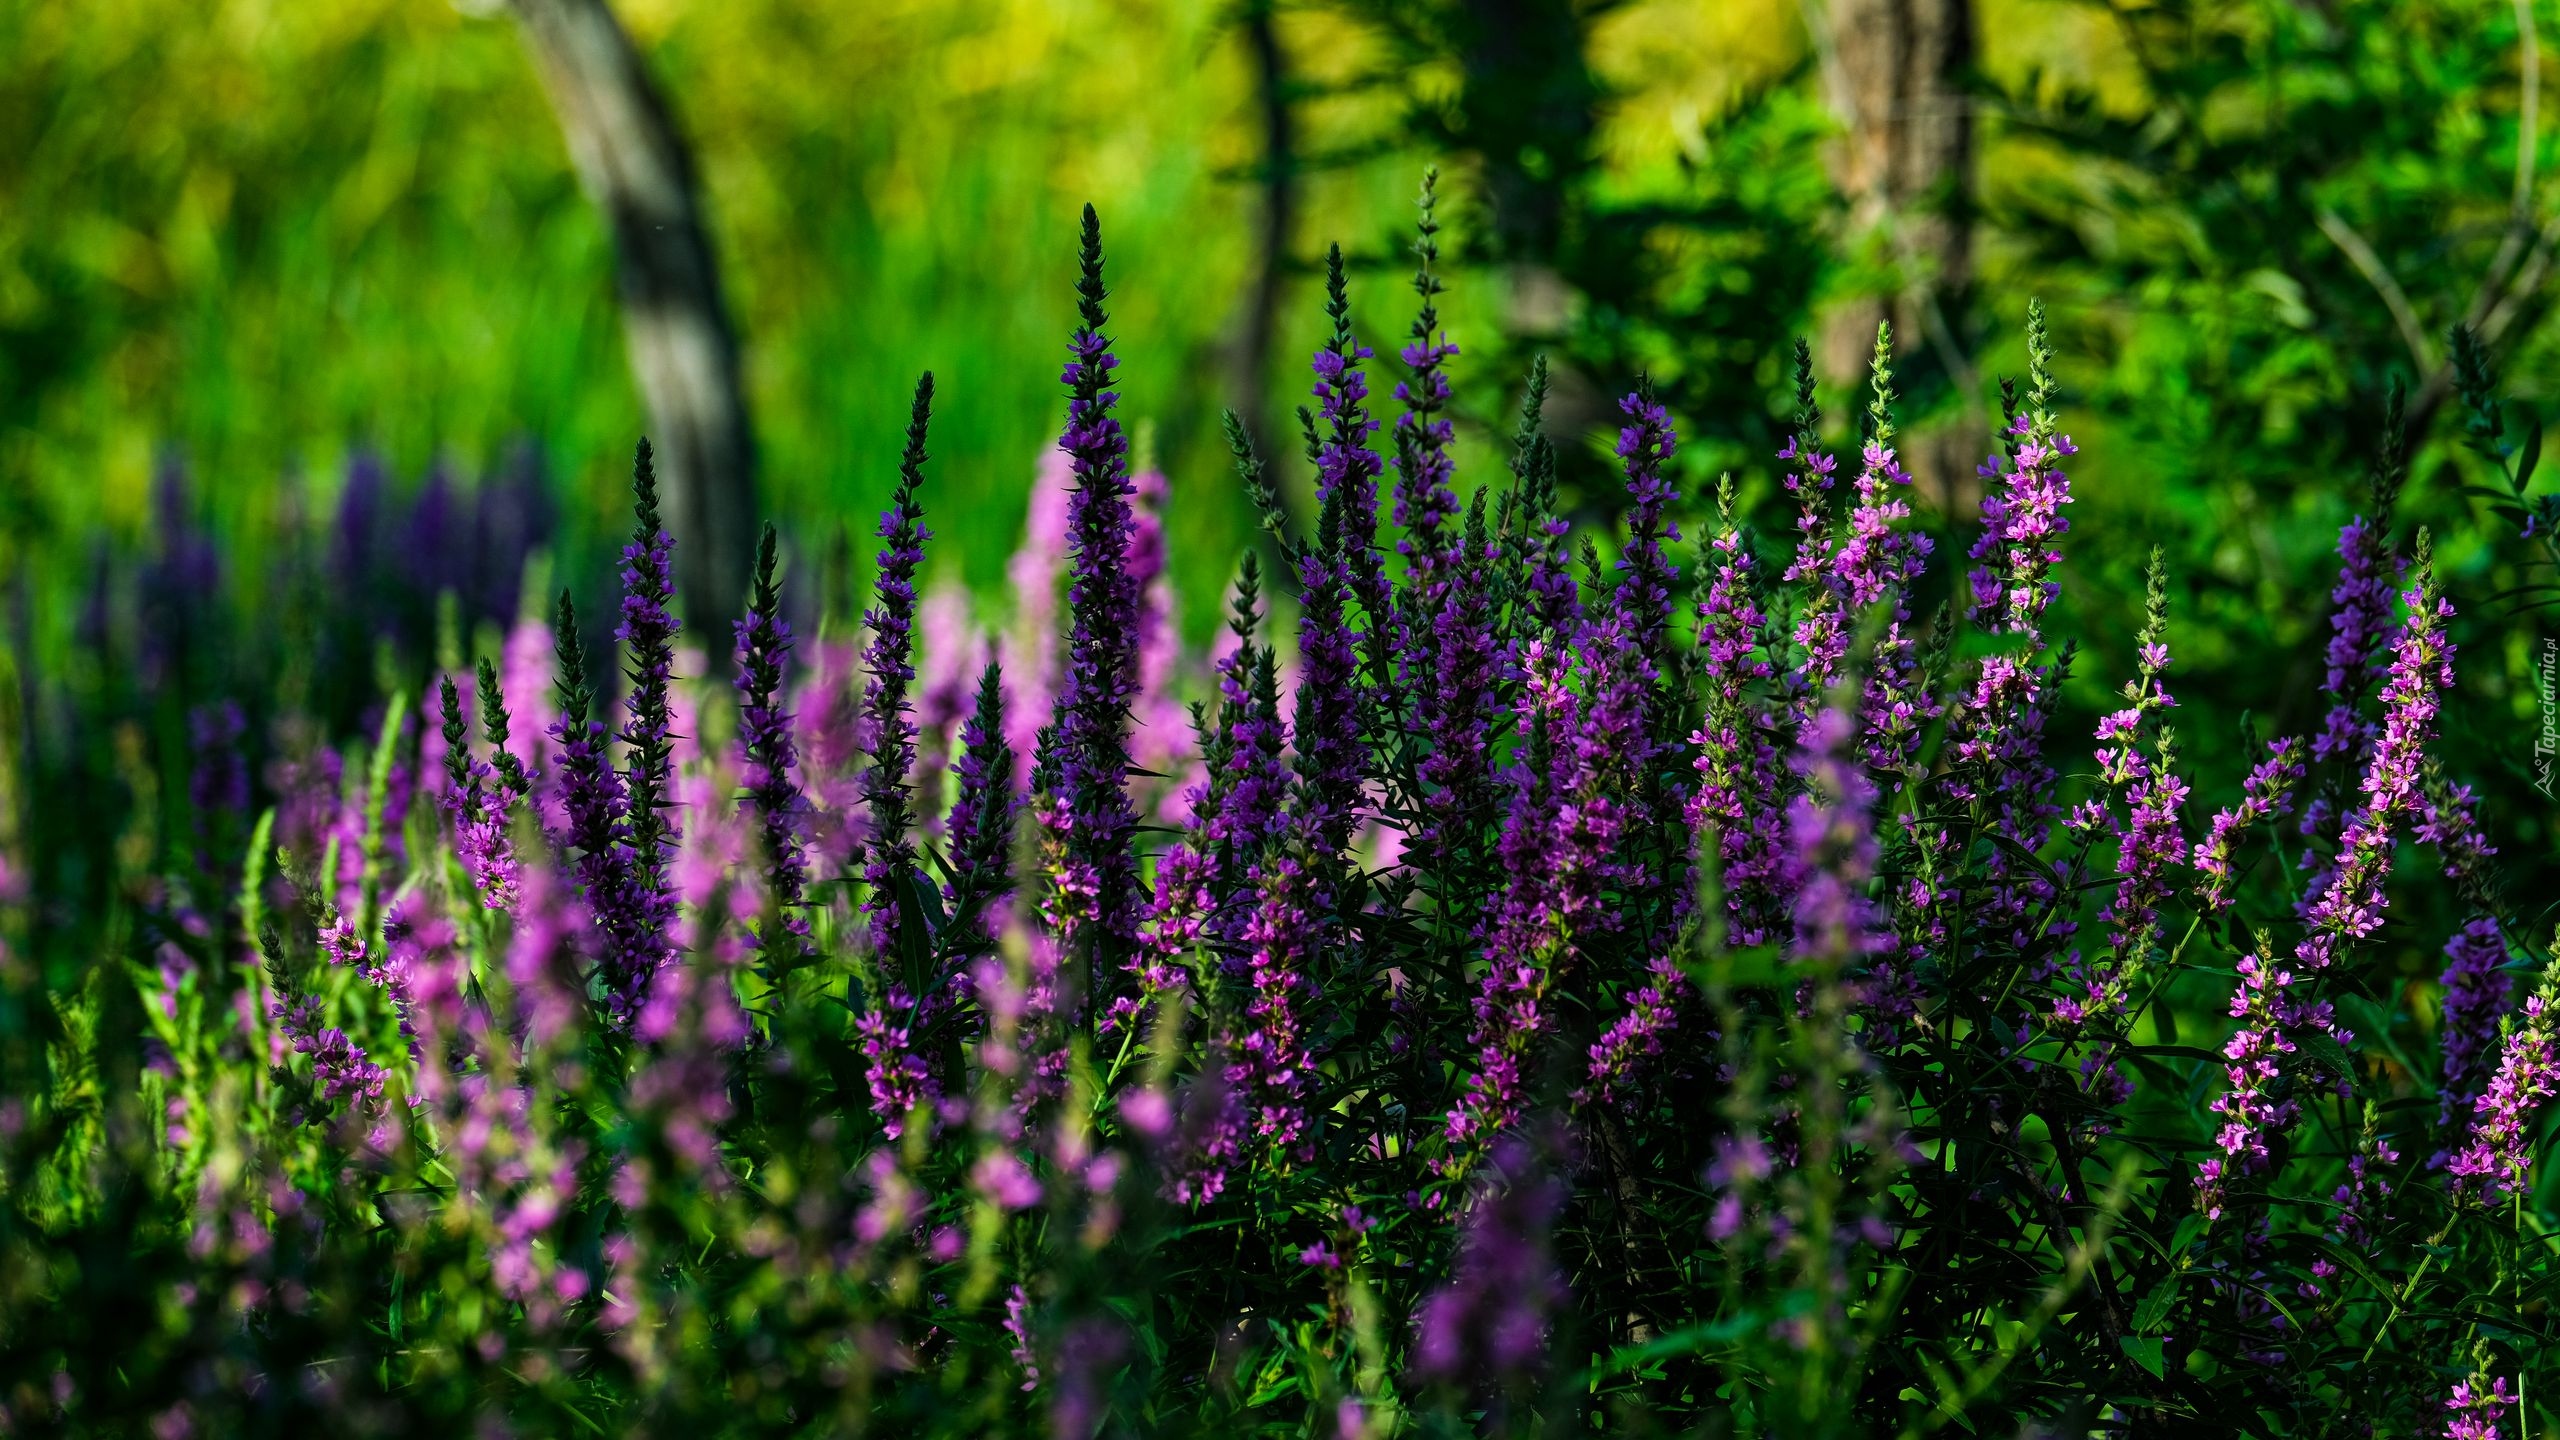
column 1895, row 72
column 1259, row 329
column 636, row 168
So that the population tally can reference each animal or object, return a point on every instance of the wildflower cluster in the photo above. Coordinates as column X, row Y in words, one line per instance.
column 1538, row 980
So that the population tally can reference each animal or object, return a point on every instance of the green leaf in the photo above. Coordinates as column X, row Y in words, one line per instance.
column 2188, row 1229
column 2530, row 455
column 2145, row 1351
column 2327, row 1054
column 2154, row 1310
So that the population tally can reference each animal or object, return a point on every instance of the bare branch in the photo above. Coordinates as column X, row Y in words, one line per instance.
column 2378, row 275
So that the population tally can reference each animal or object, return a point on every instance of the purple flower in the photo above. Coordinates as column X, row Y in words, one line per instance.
column 2347, row 908
column 648, row 634
column 2021, row 523
column 1274, row 1067
column 1645, row 445
column 1017, row 1324
column 219, row 782
column 2367, row 1189
column 2147, row 836
column 1161, row 738
column 1327, row 716
column 1832, row 850
column 478, row 803
column 945, row 684
column 1251, row 780
column 1862, row 562
column 2367, row 575
column 768, row 755
column 1031, row 647
column 593, row 808
column 1347, row 470
column 1424, row 433
column 2497, row 1155
column 1653, row 1011
column 1561, row 851
column 979, row 831
column 1493, row 1316
column 2266, row 796
column 1004, row 1180
column 340, row 1070
column 2475, row 989
column 2449, row 820
column 1454, row 700
column 1876, row 564
column 891, row 661
column 1821, row 630
column 1333, row 574
column 1735, row 805
column 2476, row 1411
column 1092, row 812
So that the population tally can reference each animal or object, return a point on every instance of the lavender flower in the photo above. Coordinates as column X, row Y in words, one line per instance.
column 2266, row 796
column 2475, row 990
column 477, row 802
column 2147, row 838
column 1253, row 783
column 980, row 827
column 2347, row 908
column 1346, row 468
column 1561, row 851
column 1327, row 717
column 2022, row 518
column 594, row 810
column 2350, row 905
column 1092, row 810
column 1645, row 445
column 1274, row 1068
column 891, row 662
column 1495, row 1312
column 2497, row 1155
column 1735, row 805
column 648, row 634
column 768, row 756
column 1456, row 708
column 2368, row 574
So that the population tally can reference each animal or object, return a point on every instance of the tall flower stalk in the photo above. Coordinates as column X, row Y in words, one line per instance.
column 769, row 756
column 1091, row 811
column 648, row 636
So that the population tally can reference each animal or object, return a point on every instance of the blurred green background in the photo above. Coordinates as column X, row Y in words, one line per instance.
column 260, row 236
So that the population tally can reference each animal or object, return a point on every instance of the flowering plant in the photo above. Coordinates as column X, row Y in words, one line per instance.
column 1532, row 987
